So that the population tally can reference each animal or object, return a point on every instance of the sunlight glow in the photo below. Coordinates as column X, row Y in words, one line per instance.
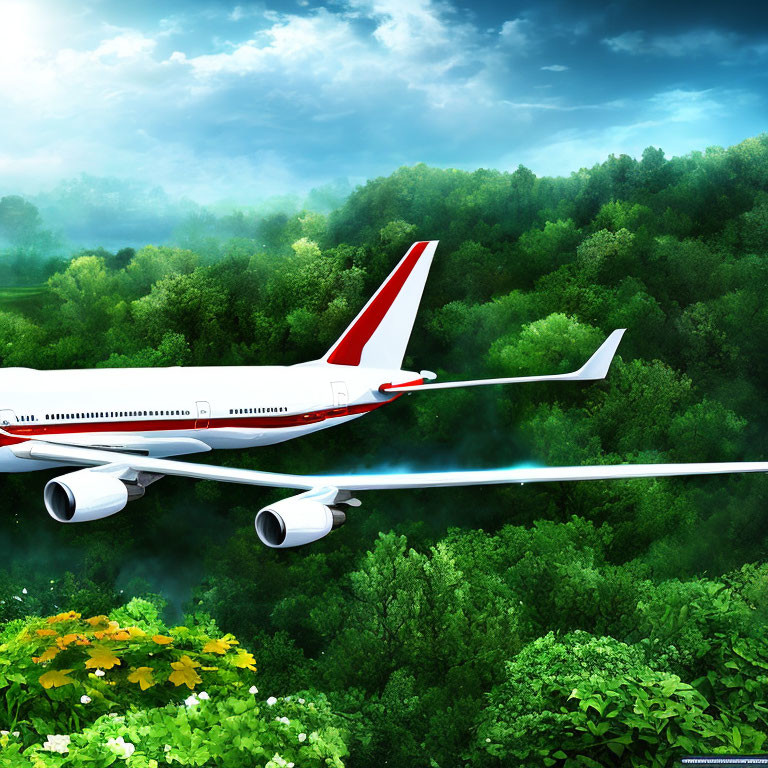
column 17, row 30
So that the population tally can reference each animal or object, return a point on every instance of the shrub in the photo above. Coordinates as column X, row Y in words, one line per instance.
column 60, row 672
column 592, row 701
column 230, row 732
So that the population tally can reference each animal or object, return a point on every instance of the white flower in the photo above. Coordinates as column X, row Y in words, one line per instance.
column 271, row 701
column 16, row 597
column 301, row 701
column 487, row 741
column 120, row 747
column 191, row 701
column 284, row 720
column 85, row 699
column 4, row 733
column 203, row 696
column 302, row 737
column 57, row 743
column 290, row 765
column 99, row 673
column 253, row 689
column 16, row 734
column 24, row 591
column 167, row 748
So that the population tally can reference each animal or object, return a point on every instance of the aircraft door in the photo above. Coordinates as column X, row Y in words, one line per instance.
column 7, row 418
column 340, row 397
column 203, row 414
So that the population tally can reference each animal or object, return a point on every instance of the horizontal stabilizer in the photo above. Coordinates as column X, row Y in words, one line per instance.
column 595, row 368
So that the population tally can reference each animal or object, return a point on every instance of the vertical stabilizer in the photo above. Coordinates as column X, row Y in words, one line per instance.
column 378, row 336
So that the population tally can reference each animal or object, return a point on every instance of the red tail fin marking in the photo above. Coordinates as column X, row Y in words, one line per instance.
column 350, row 349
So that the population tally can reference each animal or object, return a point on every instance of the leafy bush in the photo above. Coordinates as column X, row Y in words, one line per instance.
column 231, row 732
column 88, row 692
column 592, row 701
column 738, row 682
column 60, row 672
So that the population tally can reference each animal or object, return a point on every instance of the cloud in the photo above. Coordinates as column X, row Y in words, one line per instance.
column 513, row 34
column 691, row 43
column 627, row 42
column 288, row 46
column 245, row 100
column 677, row 120
column 681, row 106
column 369, row 75
column 126, row 45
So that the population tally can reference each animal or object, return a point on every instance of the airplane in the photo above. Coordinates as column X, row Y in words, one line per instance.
column 122, row 424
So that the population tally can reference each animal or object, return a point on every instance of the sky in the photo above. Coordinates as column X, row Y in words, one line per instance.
column 224, row 101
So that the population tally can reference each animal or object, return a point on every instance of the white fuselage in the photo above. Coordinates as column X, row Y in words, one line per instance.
column 174, row 411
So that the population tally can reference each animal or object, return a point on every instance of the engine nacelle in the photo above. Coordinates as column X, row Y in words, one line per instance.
column 84, row 495
column 296, row 521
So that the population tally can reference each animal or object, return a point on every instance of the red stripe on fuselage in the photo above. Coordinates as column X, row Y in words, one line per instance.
column 187, row 423
column 350, row 349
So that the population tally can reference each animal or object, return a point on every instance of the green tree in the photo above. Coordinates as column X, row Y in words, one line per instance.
column 19, row 219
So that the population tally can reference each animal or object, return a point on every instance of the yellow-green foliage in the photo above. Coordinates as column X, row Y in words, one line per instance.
column 89, row 690
column 62, row 658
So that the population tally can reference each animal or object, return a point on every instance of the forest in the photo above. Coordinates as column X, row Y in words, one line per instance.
column 592, row 624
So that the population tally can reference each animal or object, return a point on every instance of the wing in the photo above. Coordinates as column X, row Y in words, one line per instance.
column 595, row 368
column 129, row 463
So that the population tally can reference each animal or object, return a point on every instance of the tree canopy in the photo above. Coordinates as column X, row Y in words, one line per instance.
column 600, row 623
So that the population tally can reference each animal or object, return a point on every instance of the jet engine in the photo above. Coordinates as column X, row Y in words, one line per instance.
column 90, row 495
column 302, row 519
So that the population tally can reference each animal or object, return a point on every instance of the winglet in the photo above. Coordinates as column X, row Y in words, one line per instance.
column 597, row 365
column 595, row 368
